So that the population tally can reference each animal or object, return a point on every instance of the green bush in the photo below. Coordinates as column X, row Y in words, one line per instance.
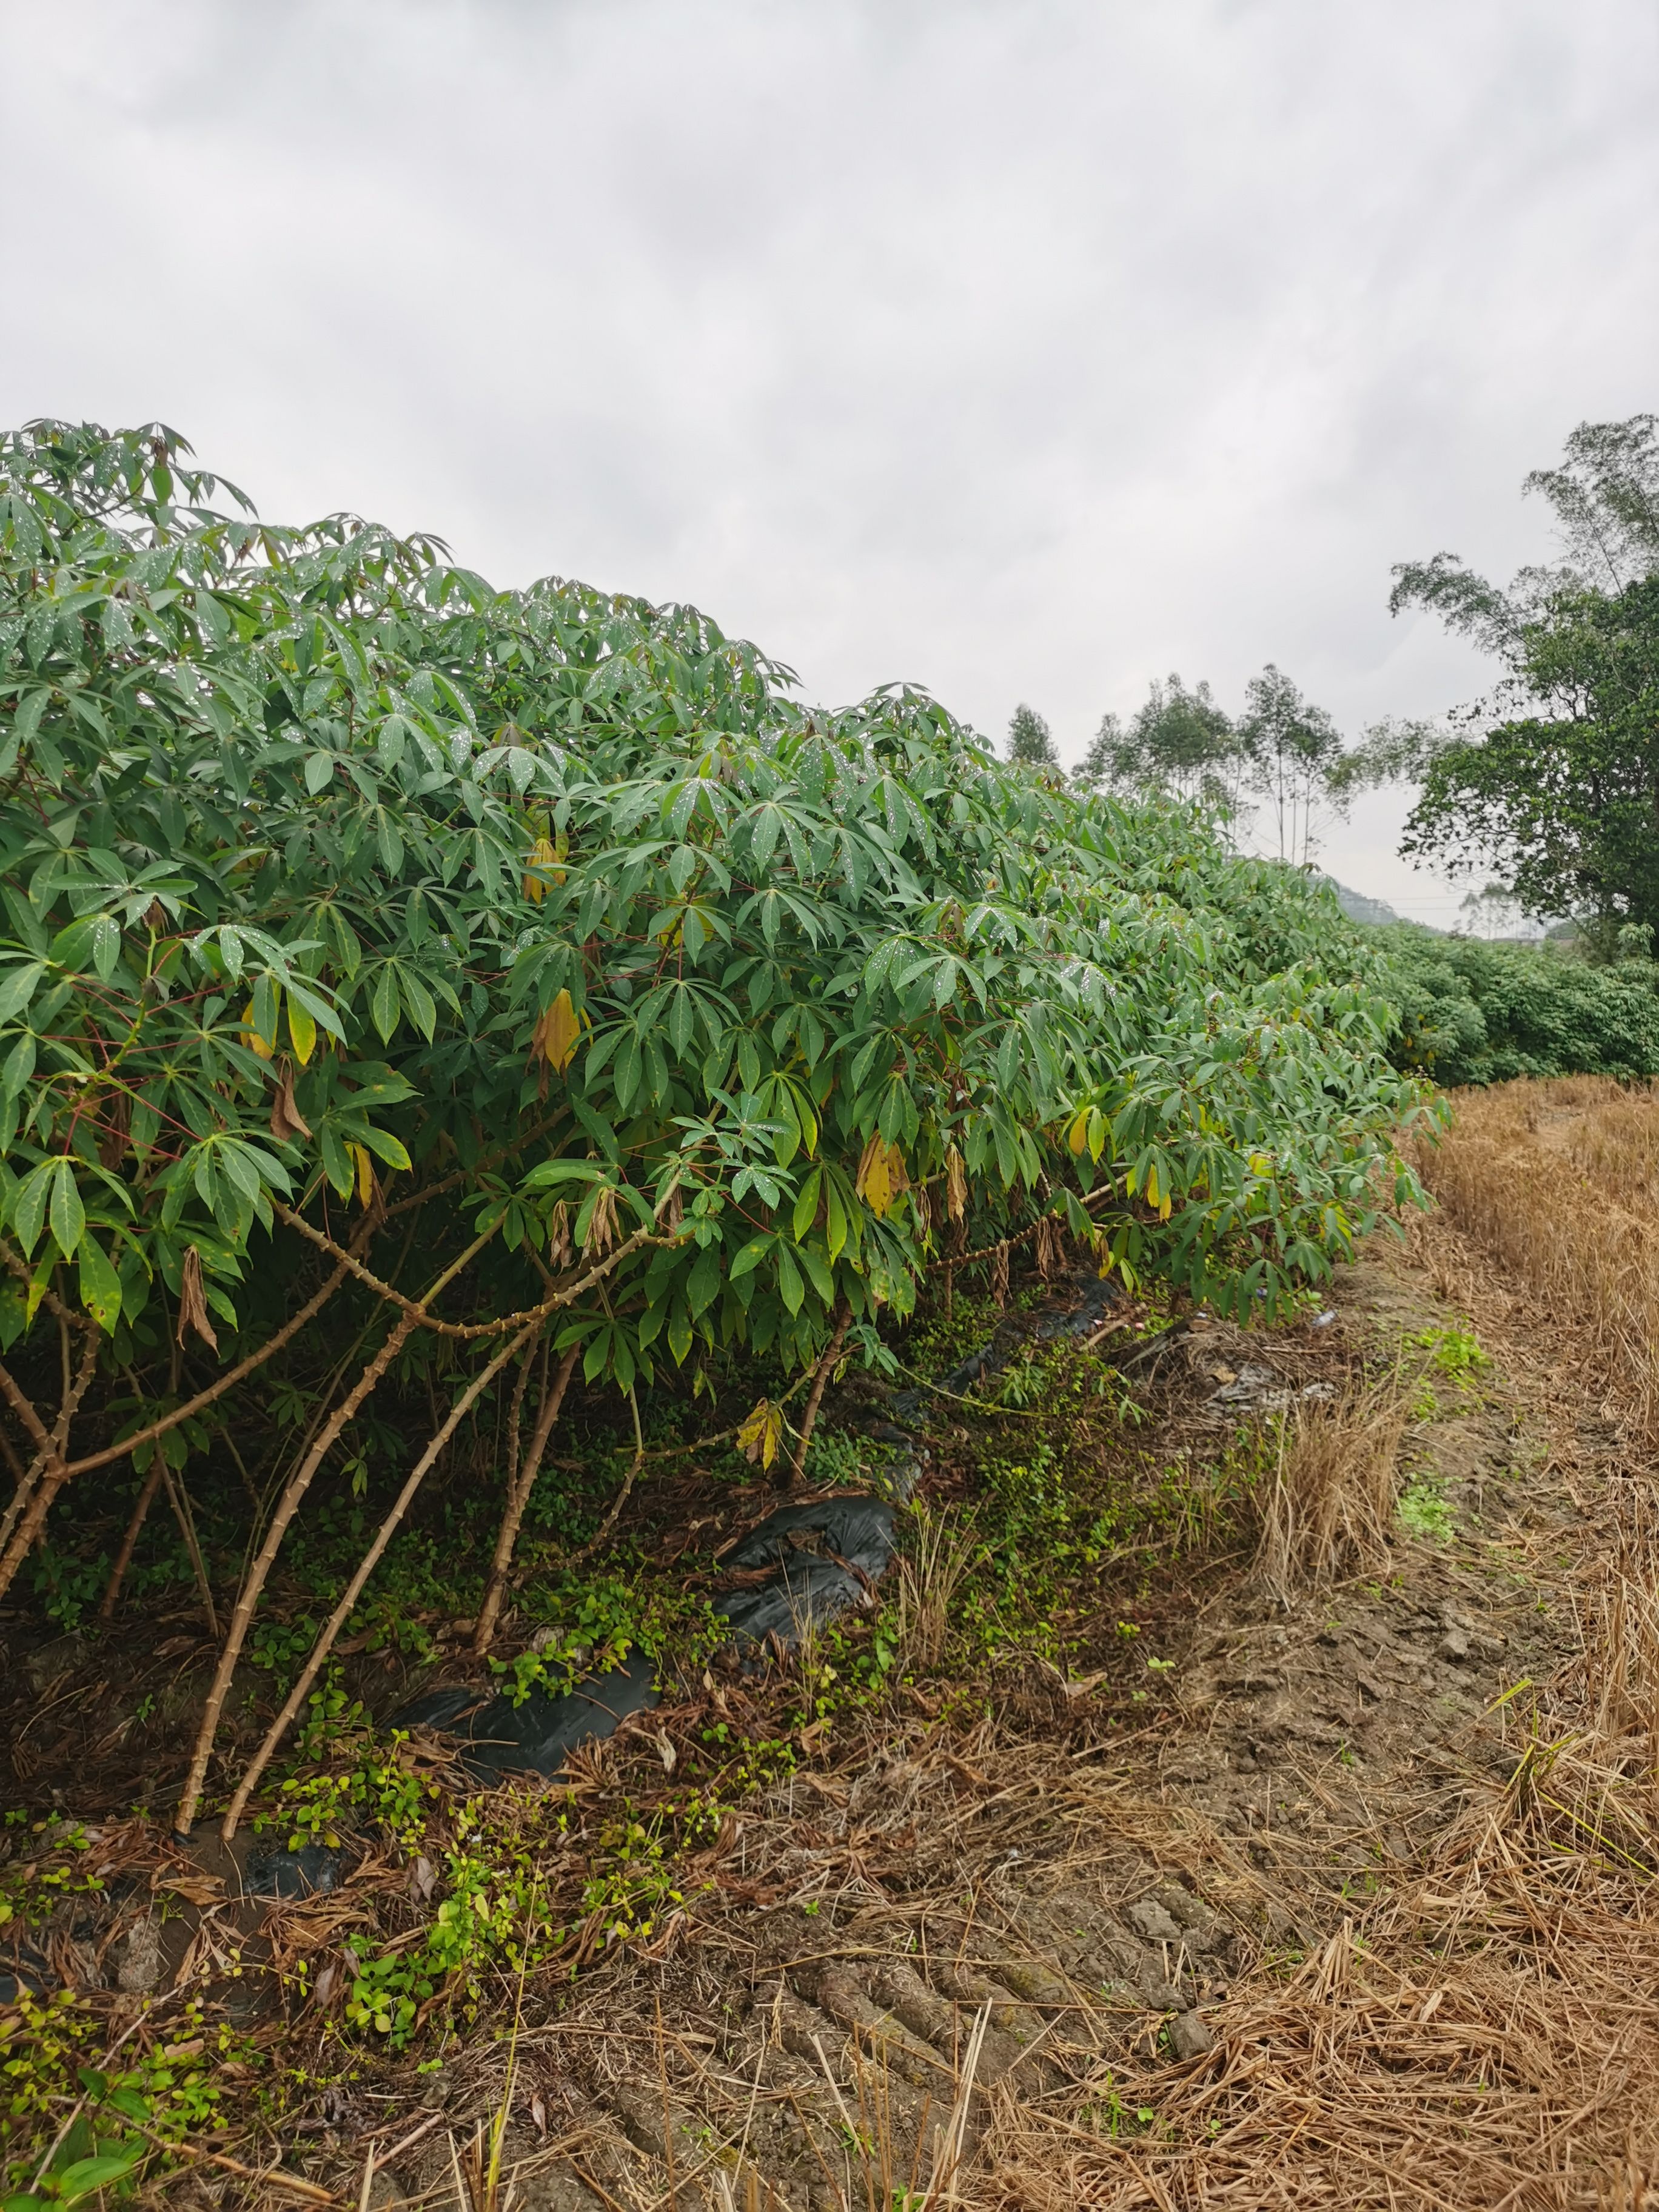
column 1474, row 1013
column 408, row 986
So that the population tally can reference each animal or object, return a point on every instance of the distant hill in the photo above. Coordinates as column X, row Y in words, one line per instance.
column 1357, row 907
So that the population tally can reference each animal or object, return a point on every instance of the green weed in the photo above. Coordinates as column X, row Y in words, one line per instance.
column 381, row 1790
column 31, row 1891
column 1453, row 1353
column 115, row 2118
column 1425, row 1511
column 1108, row 2115
column 599, row 1622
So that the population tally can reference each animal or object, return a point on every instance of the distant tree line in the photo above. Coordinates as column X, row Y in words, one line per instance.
column 1283, row 756
column 1547, row 788
column 1472, row 1012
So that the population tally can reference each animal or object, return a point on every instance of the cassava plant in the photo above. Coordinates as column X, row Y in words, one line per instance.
column 429, row 986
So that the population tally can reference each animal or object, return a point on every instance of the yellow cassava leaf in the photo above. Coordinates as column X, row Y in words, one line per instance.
column 1076, row 1136
column 762, row 1433
column 559, row 1032
column 881, row 1177
column 263, row 1046
column 364, row 1166
column 542, row 855
column 302, row 1031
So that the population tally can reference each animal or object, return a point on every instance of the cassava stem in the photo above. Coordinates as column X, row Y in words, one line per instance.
column 53, row 1474
column 296, row 1488
column 466, row 1331
column 586, row 1551
column 815, row 1396
column 178, row 1499
column 518, row 1497
column 19, row 1402
column 40, row 1477
column 254, row 1580
column 130, row 1541
column 370, row 1560
column 226, row 1381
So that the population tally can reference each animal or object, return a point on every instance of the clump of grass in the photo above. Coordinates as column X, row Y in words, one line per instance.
column 1456, row 1353
column 1424, row 1510
column 930, row 1574
column 1328, row 1506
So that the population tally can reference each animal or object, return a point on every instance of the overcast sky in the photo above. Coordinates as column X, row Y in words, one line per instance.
column 1026, row 350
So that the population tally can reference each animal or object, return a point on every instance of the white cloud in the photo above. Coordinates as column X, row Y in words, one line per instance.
column 1026, row 347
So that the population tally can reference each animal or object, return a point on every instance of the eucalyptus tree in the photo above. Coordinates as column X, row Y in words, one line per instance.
column 1293, row 758
column 1180, row 742
column 1031, row 741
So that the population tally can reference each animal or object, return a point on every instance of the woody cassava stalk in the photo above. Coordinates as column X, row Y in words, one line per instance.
column 346, row 896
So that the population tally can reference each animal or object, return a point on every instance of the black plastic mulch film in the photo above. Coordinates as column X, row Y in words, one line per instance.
column 827, row 1555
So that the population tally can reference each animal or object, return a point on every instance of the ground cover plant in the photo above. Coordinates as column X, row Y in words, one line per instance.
column 429, row 1008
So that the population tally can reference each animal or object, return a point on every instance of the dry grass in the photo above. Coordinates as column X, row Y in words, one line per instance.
column 1620, row 1688
column 1329, row 1508
column 930, row 1574
column 1484, row 2033
column 1556, row 1182
column 1615, row 1143
column 1484, row 2030
column 1400, row 2072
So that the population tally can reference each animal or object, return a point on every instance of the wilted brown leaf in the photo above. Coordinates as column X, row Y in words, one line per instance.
column 560, row 1250
column 601, row 1223
column 194, row 1888
column 286, row 1119
column 192, row 1306
column 955, row 1184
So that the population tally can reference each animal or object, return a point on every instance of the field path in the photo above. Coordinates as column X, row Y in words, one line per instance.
column 1362, row 1915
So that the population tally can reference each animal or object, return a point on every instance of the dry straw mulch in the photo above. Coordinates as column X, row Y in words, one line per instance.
column 1485, row 2032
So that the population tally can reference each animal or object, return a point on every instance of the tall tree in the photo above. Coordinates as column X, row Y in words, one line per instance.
column 1029, row 739
column 1560, row 788
column 1292, row 750
column 1606, row 497
column 1491, row 912
column 1179, row 743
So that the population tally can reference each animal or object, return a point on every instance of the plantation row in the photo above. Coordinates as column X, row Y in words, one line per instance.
column 1473, row 1013
column 416, row 995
